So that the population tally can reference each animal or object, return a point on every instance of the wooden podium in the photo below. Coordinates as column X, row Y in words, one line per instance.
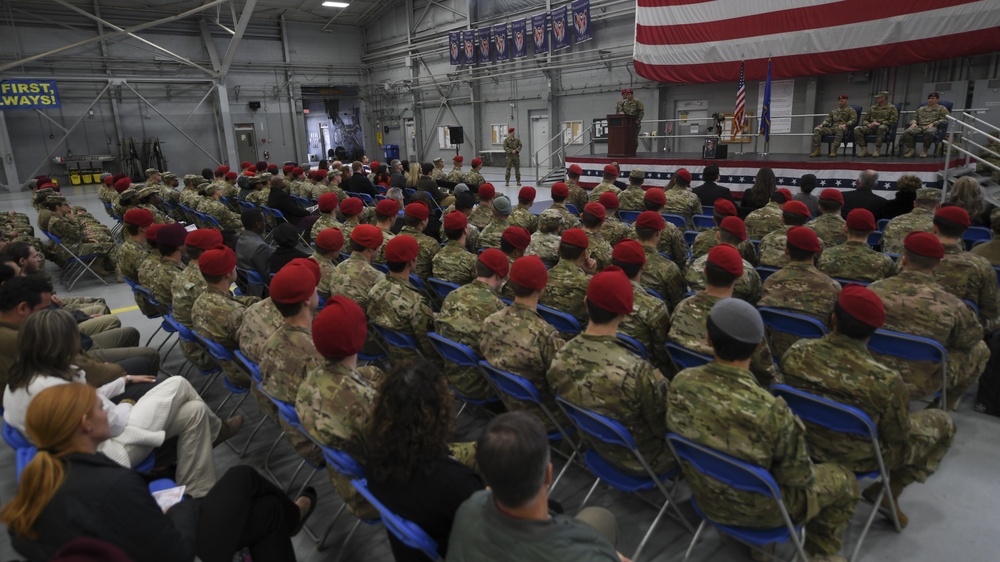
column 622, row 135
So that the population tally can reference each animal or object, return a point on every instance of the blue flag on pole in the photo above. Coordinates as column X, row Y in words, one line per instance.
column 765, row 109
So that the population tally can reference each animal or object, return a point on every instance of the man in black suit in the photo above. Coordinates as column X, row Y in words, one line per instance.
column 359, row 182
column 396, row 176
column 862, row 197
column 709, row 191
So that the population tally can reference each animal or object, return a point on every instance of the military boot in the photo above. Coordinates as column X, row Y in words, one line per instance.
column 923, row 154
column 909, row 153
column 864, row 152
column 873, row 491
column 814, row 153
column 833, row 153
column 875, row 154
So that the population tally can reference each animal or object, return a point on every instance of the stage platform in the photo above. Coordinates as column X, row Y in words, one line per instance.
column 738, row 171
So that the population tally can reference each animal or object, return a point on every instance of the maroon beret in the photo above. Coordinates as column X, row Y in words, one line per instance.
column 734, row 226
column 218, row 261
column 830, row 194
column 595, row 209
column 172, row 234
column 956, row 215
column 863, row 304
column 138, row 217
column 726, row 257
column 151, row 231
column 487, row 191
column 517, row 236
column 786, row 192
column 575, row 237
column 476, row 162
column 612, row 291
column 309, row 264
column 203, row 238
column 496, row 261
column 650, row 219
column 387, row 207
column 328, row 202
column 609, row 200
column 630, row 252
column 330, row 239
column 290, row 286
column 353, row 206
column 804, row 239
column 924, row 244
column 340, row 329
column 861, row 220
column 725, row 208
column 231, row 175
column 402, row 249
column 123, row 184
column 418, row 210
column 455, row 220
column 683, row 174
column 560, row 189
column 368, row 236
column 576, row 170
column 796, row 208
column 529, row 272
column 458, row 158
column 527, row 193
column 611, row 170
column 656, row 196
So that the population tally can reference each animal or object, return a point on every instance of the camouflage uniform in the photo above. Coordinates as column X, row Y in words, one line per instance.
column 597, row 373
column 841, row 368
column 917, row 220
column 671, row 243
column 158, row 216
column 772, row 248
column 915, row 304
column 394, row 304
column 982, row 168
column 927, row 120
column 295, row 188
column 763, row 221
column 347, row 227
column 748, row 286
column 260, row 321
column 481, row 216
column 512, row 144
column 599, row 249
column 689, row 328
column 107, row 194
column 595, row 194
column 631, row 107
column 454, row 264
column 855, row 261
column 324, row 222
column 491, row 234
column 708, row 239
column 545, row 246
column 569, row 219
column 259, row 197
column 578, row 196
column 473, row 179
column 566, row 290
column 460, row 320
column 160, row 279
column 429, row 248
column 186, row 287
column 632, row 199
column 228, row 219
column 354, row 278
column 614, row 230
column 886, row 116
column 71, row 231
column 648, row 324
column 517, row 340
column 522, row 216
column 190, row 198
column 218, row 316
column 326, row 269
column 829, row 227
column 456, row 175
column 127, row 256
column 334, row 404
column 682, row 201
column 663, row 276
column 831, row 126
column 721, row 407
column 799, row 288
column 438, row 174
column 971, row 277
column 287, row 357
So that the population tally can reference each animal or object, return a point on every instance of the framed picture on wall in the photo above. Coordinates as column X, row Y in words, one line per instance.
column 572, row 132
column 600, row 130
column 727, row 128
column 498, row 133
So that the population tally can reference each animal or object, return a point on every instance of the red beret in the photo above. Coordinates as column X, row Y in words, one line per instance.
column 340, row 329
column 611, row 170
column 402, row 249
column 734, row 226
column 455, row 220
column 375, row 164
column 650, row 219
column 319, row 174
column 290, row 286
column 510, row 130
column 863, row 304
column 656, row 196
column 221, row 170
column 172, row 234
column 261, row 165
column 287, row 169
column 244, row 164
column 272, row 169
column 609, row 200
column 251, row 170
column 309, row 264
column 629, row 251
column 861, row 220
column 953, row 214
column 726, row 257
column 218, row 261
column 796, row 208
column 516, row 236
column 353, row 206
column 368, row 236
column 626, row 91
column 924, row 244
column 138, row 217
column 527, row 193
column 529, row 272
column 418, row 210
column 297, row 171
column 842, row 97
column 786, row 192
column 596, row 209
column 830, row 194
column 804, row 239
column 575, row 237
column 487, row 191
column 123, row 184
column 328, row 202
column 684, row 174
column 109, row 180
column 476, row 162
column 496, row 261
column 458, row 158
column 560, row 189
column 576, row 170
column 387, row 207
column 330, row 239
column 203, row 238
column 725, row 207
column 231, row 175
column 611, row 291
column 151, row 231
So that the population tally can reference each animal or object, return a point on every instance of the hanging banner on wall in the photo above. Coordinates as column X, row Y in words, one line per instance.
column 581, row 21
column 500, row 40
column 517, row 33
column 483, row 38
column 560, row 35
column 469, row 46
column 455, row 46
column 539, row 32
column 28, row 94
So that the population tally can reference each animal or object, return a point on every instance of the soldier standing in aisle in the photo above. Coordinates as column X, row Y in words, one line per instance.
column 512, row 148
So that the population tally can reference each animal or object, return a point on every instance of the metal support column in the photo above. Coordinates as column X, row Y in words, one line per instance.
column 555, row 119
column 226, row 123
column 234, row 43
column 7, row 156
column 115, row 115
column 294, row 113
column 474, row 135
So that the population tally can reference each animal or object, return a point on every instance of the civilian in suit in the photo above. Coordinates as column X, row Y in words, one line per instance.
column 709, row 191
column 862, row 196
column 359, row 182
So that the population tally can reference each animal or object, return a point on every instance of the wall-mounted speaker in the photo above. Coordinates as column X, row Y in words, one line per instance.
column 254, row 105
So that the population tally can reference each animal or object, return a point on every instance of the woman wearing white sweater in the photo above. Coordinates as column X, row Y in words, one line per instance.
column 48, row 341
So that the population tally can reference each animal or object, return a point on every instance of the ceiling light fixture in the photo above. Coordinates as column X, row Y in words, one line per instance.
column 336, row 4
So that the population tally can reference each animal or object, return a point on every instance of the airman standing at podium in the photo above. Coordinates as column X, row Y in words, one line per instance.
column 879, row 119
column 628, row 105
column 837, row 123
column 512, row 148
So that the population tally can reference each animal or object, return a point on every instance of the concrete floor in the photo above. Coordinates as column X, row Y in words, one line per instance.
column 950, row 515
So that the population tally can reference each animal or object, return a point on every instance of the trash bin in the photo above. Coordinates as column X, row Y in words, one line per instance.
column 391, row 152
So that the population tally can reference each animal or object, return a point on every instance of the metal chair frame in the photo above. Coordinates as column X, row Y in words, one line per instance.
column 75, row 266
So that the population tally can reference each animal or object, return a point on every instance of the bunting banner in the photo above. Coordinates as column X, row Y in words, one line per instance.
column 539, row 30
column 483, row 39
column 500, row 41
column 518, row 32
column 560, row 35
column 469, row 46
column 455, row 46
column 581, row 21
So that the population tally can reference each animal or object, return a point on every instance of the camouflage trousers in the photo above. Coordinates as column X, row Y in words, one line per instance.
column 984, row 169
column 197, row 355
column 515, row 162
column 909, row 139
column 832, row 499
column 835, row 131
column 468, row 382
column 931, row 434
column 861, row 131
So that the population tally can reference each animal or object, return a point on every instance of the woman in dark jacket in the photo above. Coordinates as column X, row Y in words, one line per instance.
column 69, row 490
column 764, row 186
column 287, row 239
column 906, row 194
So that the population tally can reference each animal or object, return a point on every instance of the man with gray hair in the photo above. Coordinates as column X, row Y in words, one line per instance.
column 396, row 177
column 863, row 196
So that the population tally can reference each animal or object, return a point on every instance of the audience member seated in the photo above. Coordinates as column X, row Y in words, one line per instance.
column 968, row 194
column 863, row 196
column 395, row 304
column 767, row 219
column 920, row 218
column 732, row 232
column 991, row 250
column 759, row 195
column 287, row 239
column 567, row 285
column 709, row 191
column 854, row 259
column 904, row 197
column 772, row 246
column 252, row 252
column 649, row 322
column 829, row 225
column 807, row 183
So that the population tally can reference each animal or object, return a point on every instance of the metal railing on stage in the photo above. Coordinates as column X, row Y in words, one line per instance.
column 962, row 133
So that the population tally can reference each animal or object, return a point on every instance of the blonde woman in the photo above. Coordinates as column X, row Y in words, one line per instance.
column 968, row 194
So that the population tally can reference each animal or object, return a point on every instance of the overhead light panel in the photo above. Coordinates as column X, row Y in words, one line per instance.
column 336, row 4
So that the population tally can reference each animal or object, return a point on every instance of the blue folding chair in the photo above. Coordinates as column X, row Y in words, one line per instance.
column 875, row 239
column 708, row 210
column 765, row 272
column 703, row 222
column 254, row 371
column 606, row 430
column 24, row 451
column 996, row 268
column 561, row 321
column 397, row 339
column 792, row 323
column 633, row 345
column 744, row 477
column 881, row 224
column 408, row 532
column 975, row 234
column 441, row 287
column 629, row 216
column 908, row 347
column 656, row 294
column 842, row 418
column 381, row 267
column 684, row 358
column 223, row 355
column 464, row 356
column 677, row 220
column 572, row 209
column 254, row 282
column 75, row 266
column 689, row 237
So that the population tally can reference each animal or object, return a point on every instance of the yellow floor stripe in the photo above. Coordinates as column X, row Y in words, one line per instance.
column 126, row 309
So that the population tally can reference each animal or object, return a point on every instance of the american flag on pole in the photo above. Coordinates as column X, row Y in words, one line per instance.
column 698, row 41
column 739, row 114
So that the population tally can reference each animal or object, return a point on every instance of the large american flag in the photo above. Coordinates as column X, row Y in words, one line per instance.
column 698, row 41
column 739, row 115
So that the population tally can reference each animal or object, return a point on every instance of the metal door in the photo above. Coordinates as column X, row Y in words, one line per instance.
column 246, row 143
column 540, row 136
column 410, row 131
column 692, row 120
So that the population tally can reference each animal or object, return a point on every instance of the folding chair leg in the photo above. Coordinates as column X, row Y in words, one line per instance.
column 694, row 541
column 350, row 534
column 569, row 461
column 305, row 482
column 158, row 328
column 592, row 488
column 253, row 433
column 645, row 538
column 267, row 458
column 321, row 545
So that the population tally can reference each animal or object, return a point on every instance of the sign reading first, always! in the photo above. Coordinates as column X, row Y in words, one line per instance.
column 28, row 94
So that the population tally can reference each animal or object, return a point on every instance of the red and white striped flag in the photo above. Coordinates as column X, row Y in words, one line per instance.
column 698, row 41
column 739, row 115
